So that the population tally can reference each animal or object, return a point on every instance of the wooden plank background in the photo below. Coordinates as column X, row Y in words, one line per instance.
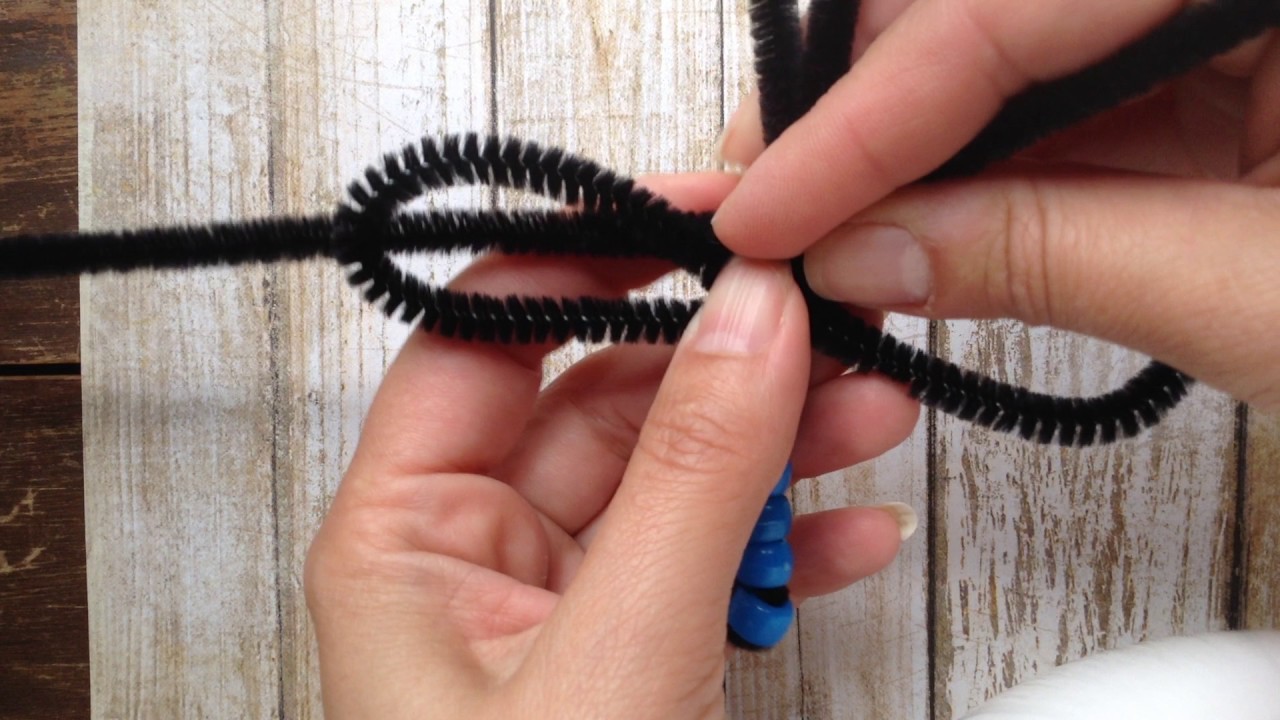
column 221, row 407
column 44, row 628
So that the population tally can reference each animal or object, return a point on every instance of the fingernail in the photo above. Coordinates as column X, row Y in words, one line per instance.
column 743, row 310
column 736, row 149
column 874, row 265
column 726, row 165
column 730, row 127
column 908, row 521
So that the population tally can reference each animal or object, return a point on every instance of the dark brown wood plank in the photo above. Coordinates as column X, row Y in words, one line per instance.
column 44, row 633
column 1262, row 523
column 39, row 321
column 44, row 620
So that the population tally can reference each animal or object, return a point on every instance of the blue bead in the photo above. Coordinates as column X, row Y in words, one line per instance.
column 774, row 523
column 784, row 482
column 766, row 565
column 758, row 622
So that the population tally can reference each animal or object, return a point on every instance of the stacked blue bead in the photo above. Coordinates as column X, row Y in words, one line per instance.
column 760, row 610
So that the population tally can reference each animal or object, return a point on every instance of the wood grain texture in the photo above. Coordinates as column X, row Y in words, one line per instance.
column 864, row 651
column 633, row 85
column 38, row 172
column 350, row 81
column 178, row 369
column 222, row 407
column 1261, row 532
column 44, row 620
column 40, row 322
column 44, row 633
column 1044, row 554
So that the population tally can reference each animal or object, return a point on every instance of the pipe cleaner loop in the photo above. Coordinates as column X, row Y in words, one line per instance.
column 615, row 218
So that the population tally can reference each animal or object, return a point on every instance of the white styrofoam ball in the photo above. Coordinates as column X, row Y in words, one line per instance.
column 1218, row 676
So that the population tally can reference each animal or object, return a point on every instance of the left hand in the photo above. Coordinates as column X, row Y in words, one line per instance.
column 495, row 551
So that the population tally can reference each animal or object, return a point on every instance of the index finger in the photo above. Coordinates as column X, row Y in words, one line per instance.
column 924, row 88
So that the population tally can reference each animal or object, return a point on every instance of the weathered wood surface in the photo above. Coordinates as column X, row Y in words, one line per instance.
column 349, row 82
column 44, row 621
column 39, row 324
column 44, row 627
column 1043, row 555
column 1261, row 518
column 180, row 377
column 222, row 406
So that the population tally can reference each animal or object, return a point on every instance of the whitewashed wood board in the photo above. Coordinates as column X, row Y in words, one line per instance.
column 221, row 407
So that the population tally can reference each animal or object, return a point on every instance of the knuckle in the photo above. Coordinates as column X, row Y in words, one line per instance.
column 338, row 555
column 693, row 436
column 849, row 125
column 1005, row 68
column 1023, row 282
column 613, row 430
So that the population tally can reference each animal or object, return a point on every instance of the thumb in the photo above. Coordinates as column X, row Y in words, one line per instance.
column 1180, row 270
column 652, row 594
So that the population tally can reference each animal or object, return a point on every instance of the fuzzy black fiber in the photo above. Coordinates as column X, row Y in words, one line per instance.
column 605, row 199
column 616, row 218
column 612, row 217
column 828, row 46
column 775, row 30
column 230, row 243
column 1187, row 40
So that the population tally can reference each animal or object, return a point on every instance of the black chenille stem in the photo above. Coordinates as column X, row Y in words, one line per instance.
column 775, row 31
column 657, row 230
column 614, row 218
column 828, row 48
column 543, row 232
column 230, row 243
column 1187, row 40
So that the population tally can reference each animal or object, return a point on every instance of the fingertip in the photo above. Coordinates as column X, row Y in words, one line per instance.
column 904, row 515
column 851, row 419
column 787, row 199
column 836, row 548
column 743, row 138
column 692, row 192
column 713, row 445
column 748, row 222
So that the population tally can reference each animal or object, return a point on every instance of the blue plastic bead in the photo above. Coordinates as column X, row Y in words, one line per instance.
column 774, row 523
column 784, row 482
column 758, row 622
column 766, row 565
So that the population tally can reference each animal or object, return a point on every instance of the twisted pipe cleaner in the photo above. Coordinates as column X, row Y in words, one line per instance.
column 616, row 218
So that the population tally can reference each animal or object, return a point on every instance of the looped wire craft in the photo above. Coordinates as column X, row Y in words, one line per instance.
column 612, row 217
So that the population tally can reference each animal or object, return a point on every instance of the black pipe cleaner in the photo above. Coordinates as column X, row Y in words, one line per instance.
column 615, row 218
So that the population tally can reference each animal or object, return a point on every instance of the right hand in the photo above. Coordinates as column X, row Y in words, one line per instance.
column 1156, row 225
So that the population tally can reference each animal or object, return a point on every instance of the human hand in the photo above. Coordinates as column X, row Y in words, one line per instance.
column 1155, row 225
column 498, row 552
